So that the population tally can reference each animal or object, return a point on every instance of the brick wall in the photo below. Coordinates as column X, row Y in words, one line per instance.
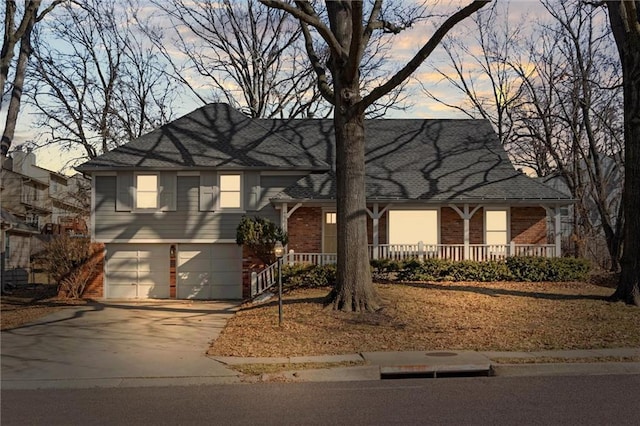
column 528, row 225
column 452, row 227
column 305, row 230
column 250, row 263
column 95, row 286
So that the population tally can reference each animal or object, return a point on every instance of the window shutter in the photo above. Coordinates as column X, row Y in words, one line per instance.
column 124, row 191
column 168, row 191
column 208, row 191
column 251, row 190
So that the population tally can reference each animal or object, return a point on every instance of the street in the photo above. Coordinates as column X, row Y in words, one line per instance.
column 583, row 400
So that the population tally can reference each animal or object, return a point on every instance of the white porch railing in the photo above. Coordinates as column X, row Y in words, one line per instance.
column 310, row 258
column 263, row 280
column 477, row 252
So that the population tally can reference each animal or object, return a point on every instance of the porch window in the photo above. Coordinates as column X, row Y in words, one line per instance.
column 146, row 191
column 496, row 227
column 230, row 191
column 413, row 226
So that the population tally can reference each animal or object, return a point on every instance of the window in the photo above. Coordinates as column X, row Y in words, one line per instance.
column 146, row 191
column 413, row 226
column 495, row 223
column 230, row 191
column 330, row 218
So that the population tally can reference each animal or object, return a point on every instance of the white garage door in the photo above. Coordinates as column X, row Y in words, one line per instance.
column 137, row 271
column 209, row 271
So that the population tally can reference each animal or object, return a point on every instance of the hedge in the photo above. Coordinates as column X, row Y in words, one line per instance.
column 519, row 268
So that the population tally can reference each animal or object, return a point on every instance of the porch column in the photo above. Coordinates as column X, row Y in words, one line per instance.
column 375, row 216
column 376, row 238
column 558, row 231
column 466, row 234
column 284, row 217
column 466, row 216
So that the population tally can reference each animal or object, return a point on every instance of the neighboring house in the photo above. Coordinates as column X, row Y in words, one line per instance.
column 176, row 195
column 33, row 200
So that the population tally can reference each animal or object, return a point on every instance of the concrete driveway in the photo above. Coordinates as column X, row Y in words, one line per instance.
column 117, row 344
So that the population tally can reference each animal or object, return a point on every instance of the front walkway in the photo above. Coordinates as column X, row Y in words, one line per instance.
column 117, row 344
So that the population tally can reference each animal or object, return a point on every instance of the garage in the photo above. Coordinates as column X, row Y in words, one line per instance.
column 137, row 271
column 209, row 271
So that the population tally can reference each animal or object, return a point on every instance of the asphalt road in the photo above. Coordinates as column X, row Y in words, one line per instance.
column 579, row 400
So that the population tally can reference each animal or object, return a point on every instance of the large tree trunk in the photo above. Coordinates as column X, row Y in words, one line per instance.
column 625, row 21
column 354, row 290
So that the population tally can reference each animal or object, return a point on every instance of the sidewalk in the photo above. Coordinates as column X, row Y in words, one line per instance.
column 381, row 365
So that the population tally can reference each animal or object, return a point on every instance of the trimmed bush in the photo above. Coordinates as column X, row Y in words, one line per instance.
column 522, row 268
column 529, row 268
column 449, row 270
column 309, row 276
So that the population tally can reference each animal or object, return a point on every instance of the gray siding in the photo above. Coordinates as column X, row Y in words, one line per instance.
column 187, row 222
column 270, row 186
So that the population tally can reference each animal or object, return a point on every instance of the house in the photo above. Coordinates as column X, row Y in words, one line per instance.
column 176, row 195
column 34, row 199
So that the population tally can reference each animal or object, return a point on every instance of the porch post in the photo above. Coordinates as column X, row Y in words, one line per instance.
column 284, row 217
column 376, row 238
column 558, row 231
column 466, row 237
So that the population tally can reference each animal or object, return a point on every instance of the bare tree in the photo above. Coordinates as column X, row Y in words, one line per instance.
column 489, row 85
column 97, row 85
column 553, row 100
column 624, row 18
column 12, row 35
column 346, row 31
column 242, row 53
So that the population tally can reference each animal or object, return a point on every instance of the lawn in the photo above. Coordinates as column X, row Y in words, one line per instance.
column 503, row 316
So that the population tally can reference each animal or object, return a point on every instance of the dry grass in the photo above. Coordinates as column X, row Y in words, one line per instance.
column 258, row 369
column 27, row 304
column 553, row 360
column 434, row 316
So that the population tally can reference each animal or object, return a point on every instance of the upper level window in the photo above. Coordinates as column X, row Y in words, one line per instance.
column 496, row 222
column 230, row 191
column 146, row 191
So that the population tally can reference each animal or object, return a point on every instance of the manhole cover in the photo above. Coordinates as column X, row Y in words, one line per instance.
column 440, row 354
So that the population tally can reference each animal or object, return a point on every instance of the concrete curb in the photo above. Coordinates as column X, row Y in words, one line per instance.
column 566, row 369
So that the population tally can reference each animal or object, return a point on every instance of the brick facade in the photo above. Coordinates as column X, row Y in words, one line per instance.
column 305, row 230
column 250, row 263
column 528, row 225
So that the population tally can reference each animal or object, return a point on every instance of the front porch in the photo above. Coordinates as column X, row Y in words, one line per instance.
column 477, row 232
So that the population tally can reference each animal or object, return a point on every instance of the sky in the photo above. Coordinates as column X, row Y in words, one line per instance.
column 404, row 47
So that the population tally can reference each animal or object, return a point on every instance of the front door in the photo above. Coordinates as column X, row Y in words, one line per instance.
column 330, row 233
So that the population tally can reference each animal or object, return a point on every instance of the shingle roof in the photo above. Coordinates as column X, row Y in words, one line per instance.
column 214, row 136
column 439, row 160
